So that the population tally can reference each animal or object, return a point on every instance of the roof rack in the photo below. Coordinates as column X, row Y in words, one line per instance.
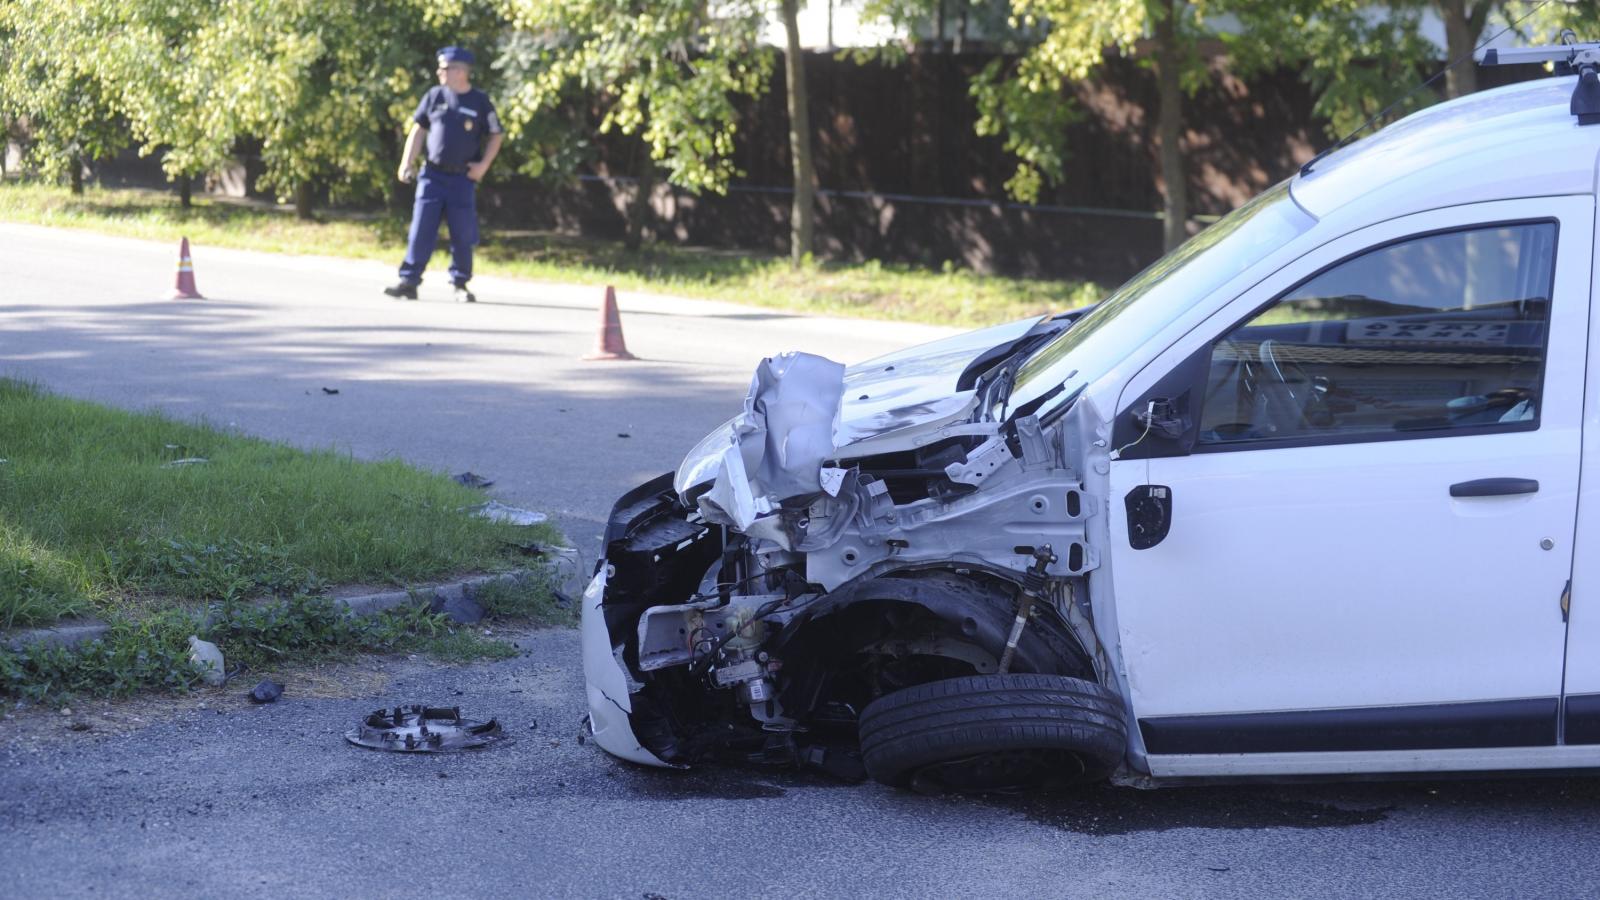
column 1570, row 57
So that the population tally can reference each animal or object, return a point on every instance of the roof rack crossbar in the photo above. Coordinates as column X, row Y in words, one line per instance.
column 1569, row 57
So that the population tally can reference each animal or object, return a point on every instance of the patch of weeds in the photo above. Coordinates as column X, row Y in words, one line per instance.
column 305, row 626
column 153, row 653
column 464, row 645
column 530, row 597
column 150, row 654
column 36, row 586
column 225, row 570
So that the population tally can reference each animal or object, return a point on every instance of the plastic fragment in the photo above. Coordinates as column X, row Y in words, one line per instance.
column 208, row 659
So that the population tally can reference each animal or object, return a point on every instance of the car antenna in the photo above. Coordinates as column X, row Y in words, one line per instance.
column 1344, row 141
column 1570, row 57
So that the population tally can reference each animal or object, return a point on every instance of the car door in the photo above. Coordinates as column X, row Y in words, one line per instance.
column 1370, row 463
column 1581, row 690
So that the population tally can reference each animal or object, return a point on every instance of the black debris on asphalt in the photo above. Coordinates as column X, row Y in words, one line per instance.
column 265, row 692
column 472, row 479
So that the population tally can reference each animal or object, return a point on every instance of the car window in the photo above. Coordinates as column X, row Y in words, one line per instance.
column 1434, row 335
column 1150, row 300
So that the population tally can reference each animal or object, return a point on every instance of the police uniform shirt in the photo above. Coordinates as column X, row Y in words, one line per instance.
column 456, row 124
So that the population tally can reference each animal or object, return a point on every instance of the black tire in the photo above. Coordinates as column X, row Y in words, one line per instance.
column 993, row 732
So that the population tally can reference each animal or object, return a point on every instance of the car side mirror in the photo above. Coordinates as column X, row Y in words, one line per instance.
column 1161, row 418
column 1165, row 419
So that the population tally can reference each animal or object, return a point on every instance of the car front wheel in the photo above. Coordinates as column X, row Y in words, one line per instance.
column 994, row 732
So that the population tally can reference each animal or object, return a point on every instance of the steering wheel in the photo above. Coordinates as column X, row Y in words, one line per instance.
column 1284, row 392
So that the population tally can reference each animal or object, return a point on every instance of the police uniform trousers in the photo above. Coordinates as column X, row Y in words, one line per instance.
column 451, row 196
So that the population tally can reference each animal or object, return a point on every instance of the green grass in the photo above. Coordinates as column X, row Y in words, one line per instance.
column 951, row 296
column 151, row 652
column 93, row 516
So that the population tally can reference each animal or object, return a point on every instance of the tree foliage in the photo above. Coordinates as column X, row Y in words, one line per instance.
column 324, row 88
column 1360, row 63
column 668, row 71
column 51, row 84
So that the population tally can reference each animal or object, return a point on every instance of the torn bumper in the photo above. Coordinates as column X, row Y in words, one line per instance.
column 606, row 685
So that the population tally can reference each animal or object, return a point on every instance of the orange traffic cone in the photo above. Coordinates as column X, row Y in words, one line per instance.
column 185, row 289
column 608, row 344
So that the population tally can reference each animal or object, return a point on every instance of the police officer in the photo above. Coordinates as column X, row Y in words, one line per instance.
column 462, row 133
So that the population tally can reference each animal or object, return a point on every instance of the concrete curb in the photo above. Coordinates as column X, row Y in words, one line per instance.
column 68, row 635
column 456, row 599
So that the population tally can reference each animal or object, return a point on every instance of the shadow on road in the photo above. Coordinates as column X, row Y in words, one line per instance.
column 1106, row 810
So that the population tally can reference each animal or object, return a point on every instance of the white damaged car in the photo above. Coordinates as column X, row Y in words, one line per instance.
column 1305, row 497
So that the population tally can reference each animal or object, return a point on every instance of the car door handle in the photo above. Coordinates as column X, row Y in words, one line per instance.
column 1494, row 487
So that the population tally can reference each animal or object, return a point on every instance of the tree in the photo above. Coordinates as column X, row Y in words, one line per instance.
column 668, row 73
column 1361, row 64
column 50, row 85
column 1025, row 102
column 1467, row 21
column 803, row 209
column 325, row 88
column 1359, row 59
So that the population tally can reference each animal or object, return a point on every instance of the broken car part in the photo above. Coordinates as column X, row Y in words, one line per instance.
column 423, row 729
column 830, row 547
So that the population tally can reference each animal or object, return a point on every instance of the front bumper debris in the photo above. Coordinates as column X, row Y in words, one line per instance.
column 606, row 685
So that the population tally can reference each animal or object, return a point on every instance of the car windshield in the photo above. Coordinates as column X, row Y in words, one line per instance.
column 1171, row 285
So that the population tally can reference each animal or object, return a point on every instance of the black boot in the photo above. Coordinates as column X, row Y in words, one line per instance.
column 405, row 290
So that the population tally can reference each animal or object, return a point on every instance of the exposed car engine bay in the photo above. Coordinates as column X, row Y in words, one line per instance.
column 787, row 579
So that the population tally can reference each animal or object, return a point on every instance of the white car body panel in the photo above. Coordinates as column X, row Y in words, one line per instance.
column 1582, row 683
column 912, row 390
column 1376, row 762
column 1515, row 141
column 1344, row 575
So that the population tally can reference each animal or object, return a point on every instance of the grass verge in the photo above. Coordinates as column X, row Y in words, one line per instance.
column 167, row 529
column 99, row 513
column 151, row 653
column 951, row 296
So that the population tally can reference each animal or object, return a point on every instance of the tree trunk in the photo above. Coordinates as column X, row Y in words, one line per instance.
column 303, row 200
column 1174, row 180
column 76, row 175
column 639, row 207
column 1459, row 39
column 800, row 216
column 185, row 191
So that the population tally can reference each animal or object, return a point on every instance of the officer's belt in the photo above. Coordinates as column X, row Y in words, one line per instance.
column 448, row 170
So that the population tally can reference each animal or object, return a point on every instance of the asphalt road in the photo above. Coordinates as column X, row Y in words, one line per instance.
column 205, row 796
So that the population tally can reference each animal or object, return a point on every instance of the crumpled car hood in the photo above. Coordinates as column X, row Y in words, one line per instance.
column 803, row 409
column 915, row 386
